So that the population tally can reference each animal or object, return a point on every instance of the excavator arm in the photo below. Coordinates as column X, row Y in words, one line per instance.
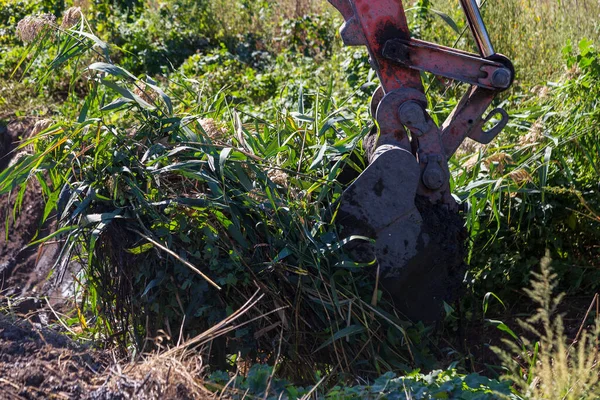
column 402, row 200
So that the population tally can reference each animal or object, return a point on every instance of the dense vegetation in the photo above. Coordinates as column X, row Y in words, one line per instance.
column 193, row 152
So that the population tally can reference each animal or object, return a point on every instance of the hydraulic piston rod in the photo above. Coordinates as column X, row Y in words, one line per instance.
column 478, row 28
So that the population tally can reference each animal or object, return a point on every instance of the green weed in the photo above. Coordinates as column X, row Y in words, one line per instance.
column 194, row 164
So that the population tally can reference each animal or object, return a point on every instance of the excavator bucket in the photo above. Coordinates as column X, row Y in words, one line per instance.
column 419, row 246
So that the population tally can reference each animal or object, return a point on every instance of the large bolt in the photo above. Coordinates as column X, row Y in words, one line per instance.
column 501, row 78
column 433, row 177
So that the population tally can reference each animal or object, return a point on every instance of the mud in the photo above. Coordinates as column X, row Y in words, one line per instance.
column 436, row 274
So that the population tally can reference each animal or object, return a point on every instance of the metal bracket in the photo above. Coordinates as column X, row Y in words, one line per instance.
column 484, row 137
column 465, row 117
column 449, row 63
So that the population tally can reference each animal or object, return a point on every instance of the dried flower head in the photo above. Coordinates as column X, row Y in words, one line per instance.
column 31, row 26
column 257, row 195
column 71, row 17
column 535, row 134
column 499, row 160
column 146, row 93
column 520, row 176
column 469, row 146
column 212, row 128
column 41, row 126
column 541, row 91
column 278, row 177
column 471, row 162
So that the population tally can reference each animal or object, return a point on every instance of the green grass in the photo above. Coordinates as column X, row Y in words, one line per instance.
column 187, row 183
column 180, row 211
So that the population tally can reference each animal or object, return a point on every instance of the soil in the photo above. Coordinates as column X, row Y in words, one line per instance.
column 34, row 362
column 39, row 364
column 23, row 270
column 23, row 227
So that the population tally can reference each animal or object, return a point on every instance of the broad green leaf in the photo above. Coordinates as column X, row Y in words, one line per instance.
column 111, row 69
column 447, row 19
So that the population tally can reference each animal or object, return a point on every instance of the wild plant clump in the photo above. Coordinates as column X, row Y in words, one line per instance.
column 550, row 367
column 200, row 199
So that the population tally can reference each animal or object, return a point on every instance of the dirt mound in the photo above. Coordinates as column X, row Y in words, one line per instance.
column 41, row 364
column 33, row 363
column 38, row 363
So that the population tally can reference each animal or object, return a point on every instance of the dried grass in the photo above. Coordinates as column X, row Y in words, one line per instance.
column 551, row 368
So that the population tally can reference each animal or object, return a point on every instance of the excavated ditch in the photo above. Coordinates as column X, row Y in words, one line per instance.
column 17, row 263
column 37, row 362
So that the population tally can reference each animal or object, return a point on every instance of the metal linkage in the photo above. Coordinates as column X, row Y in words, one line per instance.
column 448, row 63
column 381, row 26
